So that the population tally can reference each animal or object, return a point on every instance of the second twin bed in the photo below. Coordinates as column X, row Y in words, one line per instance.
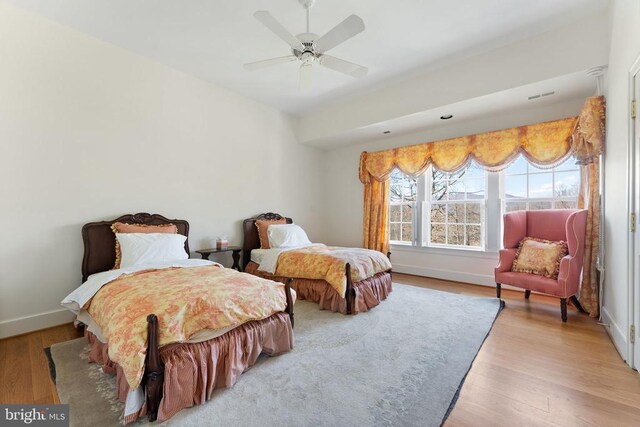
column 344, row 280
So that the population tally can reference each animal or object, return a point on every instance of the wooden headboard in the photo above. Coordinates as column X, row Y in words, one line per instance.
column 251, row 239
column 100, row 241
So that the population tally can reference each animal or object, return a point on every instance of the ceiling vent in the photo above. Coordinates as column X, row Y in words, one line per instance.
column 541, row 95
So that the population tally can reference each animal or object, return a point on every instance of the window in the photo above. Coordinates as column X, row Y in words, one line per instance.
column 456, row 207
column 402, row 204
column 464, row 210
column 527, row 187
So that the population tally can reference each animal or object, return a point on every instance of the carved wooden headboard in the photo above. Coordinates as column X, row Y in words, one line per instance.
column 251, row 239
column 100, row 241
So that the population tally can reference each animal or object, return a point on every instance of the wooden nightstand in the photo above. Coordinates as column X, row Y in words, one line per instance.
column 204, row 253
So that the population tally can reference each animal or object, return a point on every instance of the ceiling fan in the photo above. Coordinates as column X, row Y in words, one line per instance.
column 308, row 48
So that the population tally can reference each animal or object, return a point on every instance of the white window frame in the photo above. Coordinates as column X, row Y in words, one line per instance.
column 528, row 200
column 414, row 221
column 426, row 236
column 492, row 210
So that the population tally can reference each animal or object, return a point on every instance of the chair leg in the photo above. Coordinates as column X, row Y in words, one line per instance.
column 527, row 294
column 576, row 304
column 563, row 309
column 498, row 290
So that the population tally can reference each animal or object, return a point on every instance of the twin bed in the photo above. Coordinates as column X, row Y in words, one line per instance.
column 173, row 331
column 366, row 283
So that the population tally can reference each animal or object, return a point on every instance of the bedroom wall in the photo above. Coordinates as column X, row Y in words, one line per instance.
column 343, row 206
column 90, row 131
column 625, row 49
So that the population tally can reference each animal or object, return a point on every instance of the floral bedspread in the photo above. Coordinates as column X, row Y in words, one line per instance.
column 185, row 300
column 328, row 263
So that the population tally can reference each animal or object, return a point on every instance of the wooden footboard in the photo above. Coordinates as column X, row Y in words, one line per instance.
column 153, row 369
column 153, row 379
column 350, row 293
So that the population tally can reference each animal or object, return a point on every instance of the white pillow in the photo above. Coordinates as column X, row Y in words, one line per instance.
column 286, row 235
column 150, row 248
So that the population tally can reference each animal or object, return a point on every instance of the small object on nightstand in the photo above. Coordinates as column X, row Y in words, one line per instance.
column 235, row 254
column 222, row 243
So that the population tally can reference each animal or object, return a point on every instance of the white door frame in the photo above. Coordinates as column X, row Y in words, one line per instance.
column 633, row 349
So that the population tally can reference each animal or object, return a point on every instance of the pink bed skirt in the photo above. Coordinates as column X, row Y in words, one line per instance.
column 193, row 371
column 369, row 292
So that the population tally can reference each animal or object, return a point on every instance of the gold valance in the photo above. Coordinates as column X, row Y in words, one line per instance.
column 543, row 144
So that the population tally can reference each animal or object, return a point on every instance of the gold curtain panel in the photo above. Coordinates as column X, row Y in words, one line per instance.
column 541, row 143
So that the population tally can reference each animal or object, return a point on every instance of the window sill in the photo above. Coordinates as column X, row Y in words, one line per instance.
column 458, row 252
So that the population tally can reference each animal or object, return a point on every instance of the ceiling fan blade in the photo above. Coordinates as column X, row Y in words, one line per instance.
column 306, row 73
column 271, row 23
column 251, row 66
column 342, row 66
column 340, row 33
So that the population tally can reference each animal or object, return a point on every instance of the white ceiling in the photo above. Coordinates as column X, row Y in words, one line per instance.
column 211, row 39
column 569, row 92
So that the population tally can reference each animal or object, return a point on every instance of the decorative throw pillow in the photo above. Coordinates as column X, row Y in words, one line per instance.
column 263, row 228
column 540, row 257
column 121, row 227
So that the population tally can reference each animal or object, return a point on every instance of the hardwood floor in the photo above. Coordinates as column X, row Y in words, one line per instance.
column 532, row 370
column 24, row 369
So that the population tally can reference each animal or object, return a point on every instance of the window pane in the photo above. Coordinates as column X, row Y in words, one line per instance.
column 565, row 204
column 541, row 185
column 455, row 213
column 438, row 189
column 407, row 213
column 409, row 190
column 394, row 232
column 394, row 213
column 515, row 206
column 473, row 213
column 515, row 187
column 407, row 232
column 455, row 234
column 457, row 176
column 567, row 184
column 474, row 235
column 438, row 234
column 474, row 171
column 568, row 165
column 401, row 187
column 539, row 205
column 475, row 188
column 395, row 192
column 438, row 212
column 455, row 189
column 519, row 166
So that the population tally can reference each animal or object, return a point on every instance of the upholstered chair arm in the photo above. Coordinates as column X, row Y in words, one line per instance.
column 569, row 275
column 571, row 265
column 575, row 231
column 507, row 256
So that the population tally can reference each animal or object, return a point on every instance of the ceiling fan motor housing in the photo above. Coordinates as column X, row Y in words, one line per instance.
column 308, row 40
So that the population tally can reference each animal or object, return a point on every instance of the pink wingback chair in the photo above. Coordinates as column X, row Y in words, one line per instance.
column 560, row 224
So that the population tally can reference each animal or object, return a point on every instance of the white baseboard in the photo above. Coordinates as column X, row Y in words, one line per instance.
column 22, row 325
column 438, row 273
column 618, row 337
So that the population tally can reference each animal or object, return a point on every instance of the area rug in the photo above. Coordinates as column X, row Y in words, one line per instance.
column 399, row 364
